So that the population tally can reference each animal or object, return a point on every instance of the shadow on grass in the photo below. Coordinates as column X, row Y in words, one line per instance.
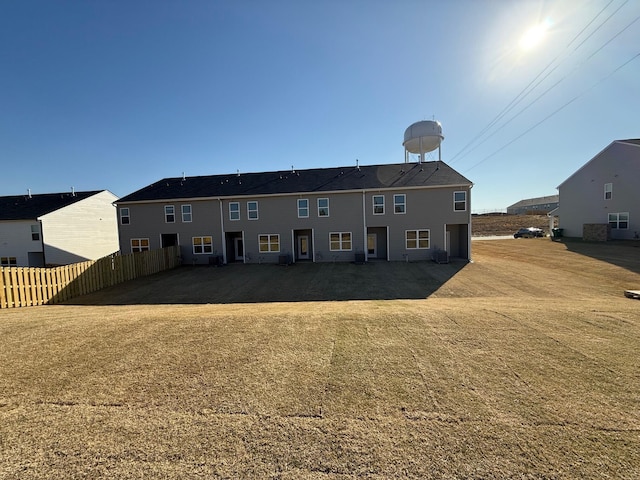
column 302, row 282
column 623, row 253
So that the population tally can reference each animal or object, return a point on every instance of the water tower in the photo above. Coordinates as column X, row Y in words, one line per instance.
column 422, row 137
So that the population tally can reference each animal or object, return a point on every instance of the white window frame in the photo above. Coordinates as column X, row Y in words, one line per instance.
column 187, row 216
column 380, row 206
column 343, row 238
column 397, row 204
column 417, row 239
column 321, row 208
column 140, row 247
column 124, row 215
column 169, row 214
column 271, row 241
column 35, row 233
column 232, row 211
column 301, row 208
column 615, row 223
column 608, row 190
column 456, row 202
column 205, row 247
column 252, row 211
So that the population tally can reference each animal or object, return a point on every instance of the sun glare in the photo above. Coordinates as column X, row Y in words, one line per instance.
column 534, row 36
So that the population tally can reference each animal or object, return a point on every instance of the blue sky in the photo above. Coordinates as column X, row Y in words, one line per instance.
column 117, row 94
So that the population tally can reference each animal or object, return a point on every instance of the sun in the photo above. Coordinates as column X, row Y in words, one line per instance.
column 534, row 36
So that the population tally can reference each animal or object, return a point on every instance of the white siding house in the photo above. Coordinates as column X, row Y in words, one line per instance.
column 606, row 190
column 57, row 228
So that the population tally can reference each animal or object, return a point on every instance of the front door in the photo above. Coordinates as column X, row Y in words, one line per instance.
column 239, row 249
column 372, row 245
column 303, row 247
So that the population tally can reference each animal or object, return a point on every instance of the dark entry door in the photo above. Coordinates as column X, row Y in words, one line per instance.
column 169, row 239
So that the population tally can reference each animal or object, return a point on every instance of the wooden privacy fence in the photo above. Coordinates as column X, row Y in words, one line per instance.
column 29, row 286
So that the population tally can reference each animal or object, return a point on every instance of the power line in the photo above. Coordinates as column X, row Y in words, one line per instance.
column 529, row 88
column 556, row 111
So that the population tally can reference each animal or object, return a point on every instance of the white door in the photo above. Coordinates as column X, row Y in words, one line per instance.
column 239, row 248
column 303, row 247
column 372, row 245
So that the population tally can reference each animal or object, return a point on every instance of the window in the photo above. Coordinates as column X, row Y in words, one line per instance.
column 303, row 208
column 202, row 245
column 169, row 214
column 252, row 210
column 608, row 191
column 8, row 262
column 460, row 201
column 323, row 207
column 234, row 211
column 417, row 239
column 139, row 245
column 339, row 241
column 125, row 219
column 186, row 213
column 35, row 233
column 619, row 220
column 400, row 203
column 378, row 204
column 269, row 243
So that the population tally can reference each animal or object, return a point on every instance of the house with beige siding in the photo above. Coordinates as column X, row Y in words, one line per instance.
column 57, row 228
column 390, row 212
column 604, row 192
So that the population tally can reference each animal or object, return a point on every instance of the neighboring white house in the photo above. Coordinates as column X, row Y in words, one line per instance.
column 57, row 228
column 606, row 190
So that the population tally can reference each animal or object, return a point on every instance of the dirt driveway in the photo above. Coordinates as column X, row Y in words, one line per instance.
column 523, row 268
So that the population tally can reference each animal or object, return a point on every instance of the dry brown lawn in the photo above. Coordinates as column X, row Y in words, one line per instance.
column 523, row 364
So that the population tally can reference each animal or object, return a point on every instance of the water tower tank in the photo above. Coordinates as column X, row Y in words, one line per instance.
column 422, row 137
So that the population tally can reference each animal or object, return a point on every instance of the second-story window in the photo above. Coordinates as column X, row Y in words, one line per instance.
column 460, row 201
column 35, row 233
column 378, row 204
column 608, row 191
column 125, row 218
column 400, row 203
column 234, row 211
column 186, row 213
column 169, row 214
column 252, row 210
column 323, row 207
column 303, row 208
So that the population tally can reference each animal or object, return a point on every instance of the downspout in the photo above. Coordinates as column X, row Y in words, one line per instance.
column 44, row 259
column 224, row 240
column 470, row 224
column 364, row 225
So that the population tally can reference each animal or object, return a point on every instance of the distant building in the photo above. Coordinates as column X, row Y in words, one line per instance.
column 533, row 206
column 603, row 192
column 57, row 228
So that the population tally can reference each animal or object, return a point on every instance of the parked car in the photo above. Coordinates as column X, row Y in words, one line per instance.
column 530, row 232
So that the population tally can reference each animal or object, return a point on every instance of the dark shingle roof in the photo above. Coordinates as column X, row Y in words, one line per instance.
column 25, row 207
column 301, row 181
column 635, row 141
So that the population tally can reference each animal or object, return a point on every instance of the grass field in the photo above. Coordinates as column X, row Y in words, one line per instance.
column 523, row 364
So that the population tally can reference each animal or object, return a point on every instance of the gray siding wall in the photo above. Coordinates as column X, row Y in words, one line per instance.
column 582, row 195
column 431, row 208
column 16, row 241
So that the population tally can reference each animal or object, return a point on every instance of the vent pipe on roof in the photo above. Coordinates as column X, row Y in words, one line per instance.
column 29, row 192
column 183, row 177
column 73, row 192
